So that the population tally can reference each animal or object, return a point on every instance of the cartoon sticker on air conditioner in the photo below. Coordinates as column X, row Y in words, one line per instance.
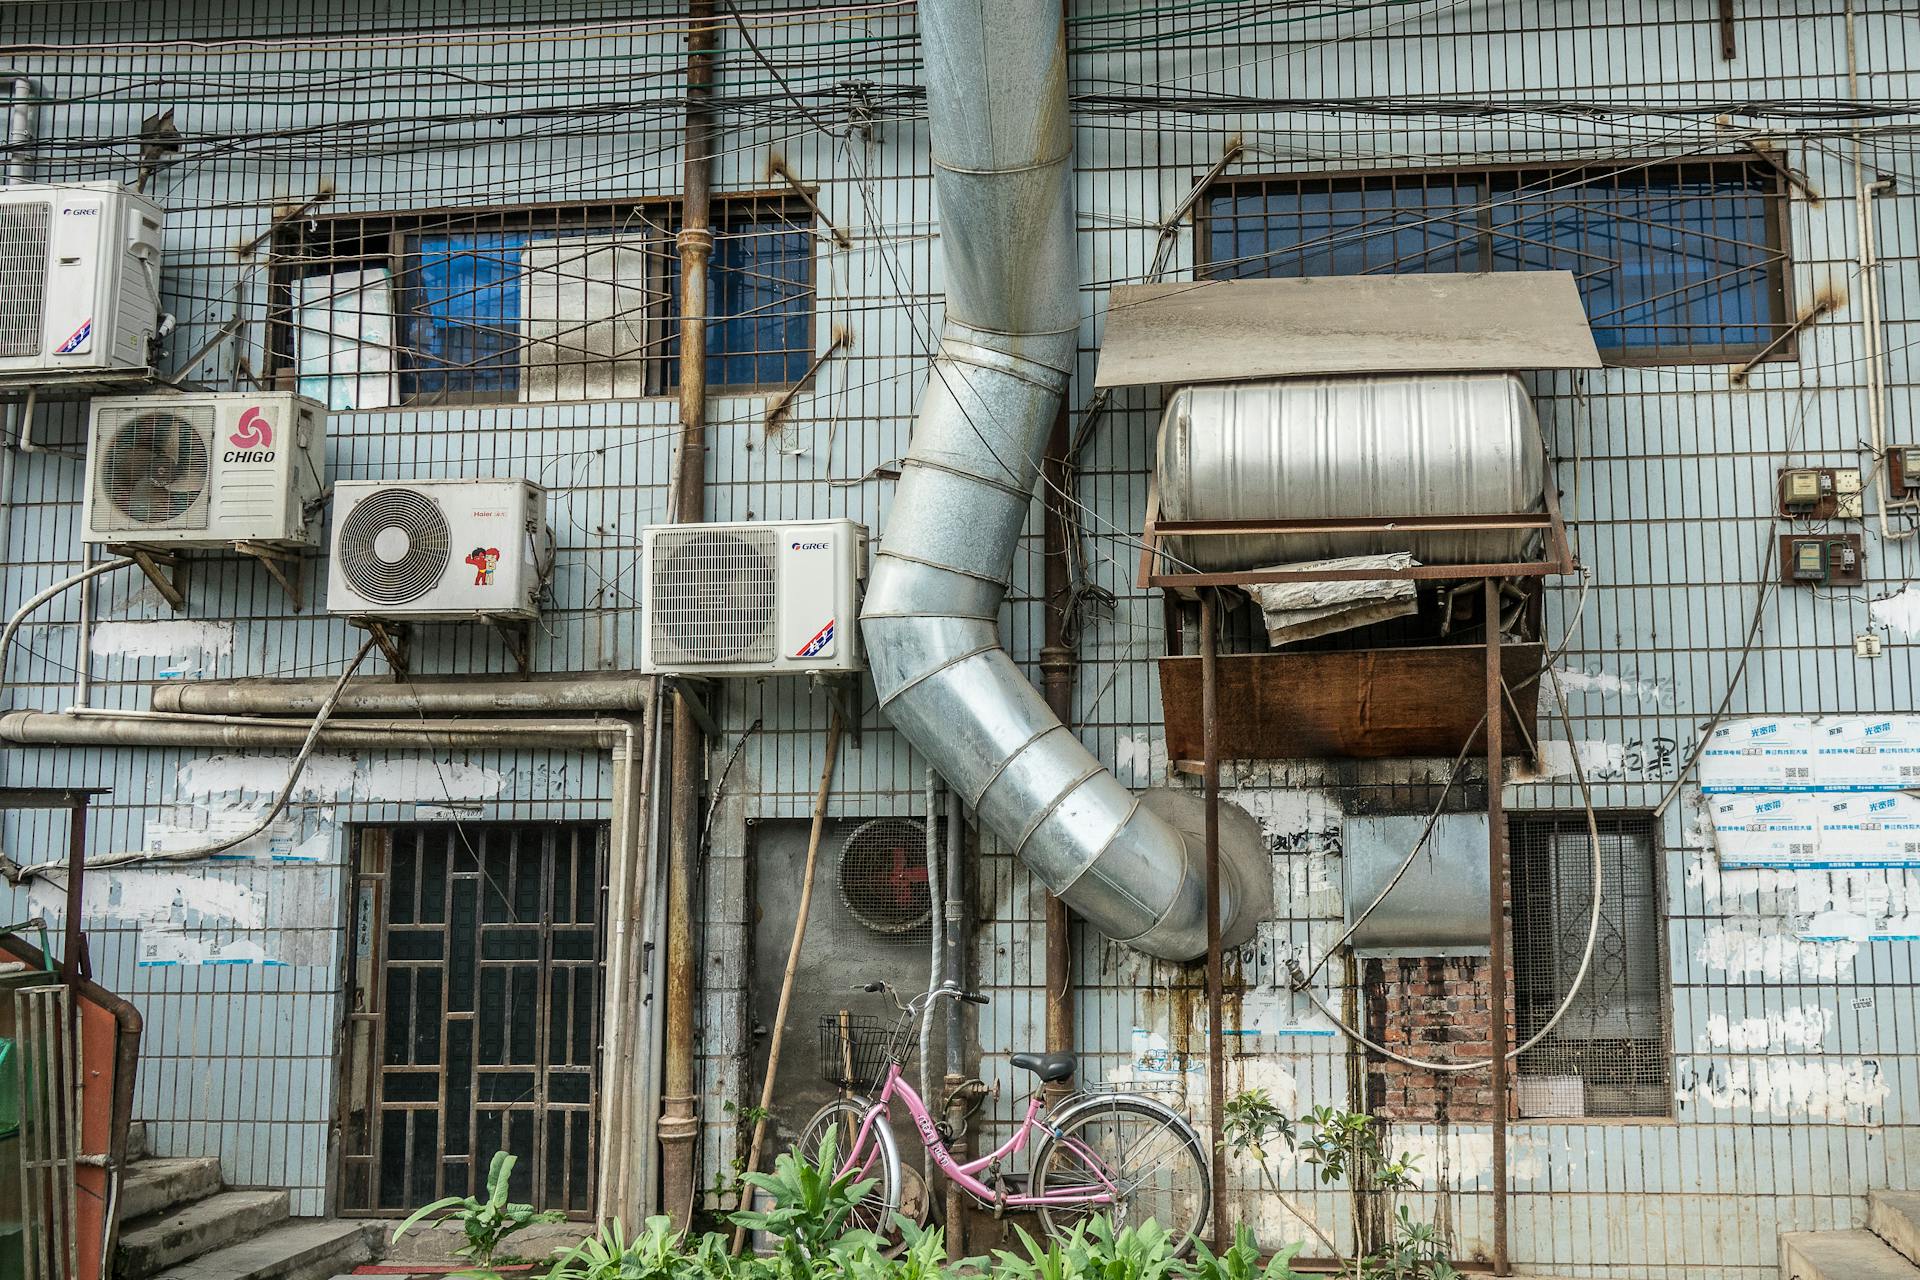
column 483, row 560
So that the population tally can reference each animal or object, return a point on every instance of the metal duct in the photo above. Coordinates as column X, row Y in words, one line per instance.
column 423, row 695
column 21, row 114
column 1002, row 148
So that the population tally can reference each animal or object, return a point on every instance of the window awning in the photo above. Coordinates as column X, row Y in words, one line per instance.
column 1314, row 326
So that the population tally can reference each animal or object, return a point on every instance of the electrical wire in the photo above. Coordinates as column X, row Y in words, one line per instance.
column 18, row 874
column 41, row 597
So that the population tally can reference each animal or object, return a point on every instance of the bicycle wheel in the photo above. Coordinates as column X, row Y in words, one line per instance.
column 1139, row 1152
column 878, row 1158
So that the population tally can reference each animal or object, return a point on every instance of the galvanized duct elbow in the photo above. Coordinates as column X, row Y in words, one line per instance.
column 1002, row 149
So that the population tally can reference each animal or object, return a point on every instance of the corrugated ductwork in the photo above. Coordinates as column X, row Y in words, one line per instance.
column 1343, row 448
column 997, row 104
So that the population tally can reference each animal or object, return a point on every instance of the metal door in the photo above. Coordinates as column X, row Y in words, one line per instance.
column 474, row 1021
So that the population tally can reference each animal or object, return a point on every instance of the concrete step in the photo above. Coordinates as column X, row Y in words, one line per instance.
column 151, row 1245
column 137, row 1140
column 1841, row 1255
column 299, row 1249
column 157, row 1185
column 1894, row 1216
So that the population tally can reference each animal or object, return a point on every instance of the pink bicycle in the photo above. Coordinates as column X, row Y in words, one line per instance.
column 1101, row 1151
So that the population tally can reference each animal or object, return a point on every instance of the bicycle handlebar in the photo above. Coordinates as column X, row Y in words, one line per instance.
column 945, row 989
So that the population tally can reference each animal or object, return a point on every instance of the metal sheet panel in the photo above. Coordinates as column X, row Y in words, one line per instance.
column 1229, row 330
column 1439, row 908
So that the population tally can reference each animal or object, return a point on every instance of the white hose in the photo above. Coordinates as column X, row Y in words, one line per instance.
column 221, row 846
column 20, row 615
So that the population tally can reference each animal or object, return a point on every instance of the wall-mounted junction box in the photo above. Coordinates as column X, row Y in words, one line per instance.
column 1439, row 908
column 1903, row 469
column 1819, row 493
column 1822, row 560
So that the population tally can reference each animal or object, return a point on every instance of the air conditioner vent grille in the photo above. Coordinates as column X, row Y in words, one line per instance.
column 394, row 546
column 23, row 276
column 714, row 595
column 153, row 470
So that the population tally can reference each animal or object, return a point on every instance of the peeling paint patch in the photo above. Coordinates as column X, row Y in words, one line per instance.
column 1604, row 684
column 1898, row 612
column 166, row 945
column 1140, row 760
column 335, row 776
column 180, row 638
column 1774, row 954
column 1801, row 1027
column 1597, row 758
column 1816, row 1089
column 157, row 894
column 1466, row 1157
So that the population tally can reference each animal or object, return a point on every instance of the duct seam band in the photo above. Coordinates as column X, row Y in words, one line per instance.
column 1066, row 791
column 931, row 672
column 1050, row 380
column 996, row 171
column 1015, row 754
column 1012, row 490
column 998, row 580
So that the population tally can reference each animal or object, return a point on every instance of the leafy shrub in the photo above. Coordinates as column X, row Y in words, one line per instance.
column 487, row 1223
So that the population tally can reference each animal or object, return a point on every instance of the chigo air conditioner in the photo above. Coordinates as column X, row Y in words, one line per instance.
column 79, row 282
column 439, row 550
column 206, row 470
column 752, row 599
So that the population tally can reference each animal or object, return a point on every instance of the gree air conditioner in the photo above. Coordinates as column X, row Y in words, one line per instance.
column 752, row 599
column 79, row 282
column 205, row 470
column 438, row 550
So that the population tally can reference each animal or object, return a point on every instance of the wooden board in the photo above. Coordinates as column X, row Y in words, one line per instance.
column 1364, row 703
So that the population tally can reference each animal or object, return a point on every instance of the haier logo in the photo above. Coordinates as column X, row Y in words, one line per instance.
column 809, row 546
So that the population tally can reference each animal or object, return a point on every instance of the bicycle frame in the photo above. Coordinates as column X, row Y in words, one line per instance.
column 861, row 1156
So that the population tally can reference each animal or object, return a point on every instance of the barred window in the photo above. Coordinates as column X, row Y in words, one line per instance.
column 1677, row 263
column 564, row 302
column 1608, row 1055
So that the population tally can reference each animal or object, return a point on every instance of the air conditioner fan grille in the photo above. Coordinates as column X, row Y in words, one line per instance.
column 394, row 546
column 714, row 596
column 153, row 470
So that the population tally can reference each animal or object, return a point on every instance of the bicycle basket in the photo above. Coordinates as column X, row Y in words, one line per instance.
column 855, row 1049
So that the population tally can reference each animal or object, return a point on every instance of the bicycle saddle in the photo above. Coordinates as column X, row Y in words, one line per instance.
column 1048, row 1066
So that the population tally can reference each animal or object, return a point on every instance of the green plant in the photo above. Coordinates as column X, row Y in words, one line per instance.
column 1241, row 1261
column 809, row 1209
column 487, row 1223
column 1095, row 1251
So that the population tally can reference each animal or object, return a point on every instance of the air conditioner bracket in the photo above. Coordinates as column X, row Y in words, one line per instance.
column 844, row 691
column 395, row 640
column 166, row 570
column 282, row 565
column 695, row 691
column 518, row 633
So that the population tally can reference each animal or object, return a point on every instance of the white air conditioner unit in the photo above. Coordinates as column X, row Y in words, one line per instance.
column 205, row 470
column 438, row 550
column 752, row 599
column 79, row 281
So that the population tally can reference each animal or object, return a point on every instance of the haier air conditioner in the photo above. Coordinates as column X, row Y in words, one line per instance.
column 79, row 282
column 438, row 550
column 206, row 470
column 752, row 599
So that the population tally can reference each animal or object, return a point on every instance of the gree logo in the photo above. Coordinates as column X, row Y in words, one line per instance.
column 253, row 431
column 809, row 546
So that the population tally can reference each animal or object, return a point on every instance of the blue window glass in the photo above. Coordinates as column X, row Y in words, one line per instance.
column 760, row 297
column 461, row 331
column 1677, row 262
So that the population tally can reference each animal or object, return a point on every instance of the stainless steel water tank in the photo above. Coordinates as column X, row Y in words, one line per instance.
column 1327, row 448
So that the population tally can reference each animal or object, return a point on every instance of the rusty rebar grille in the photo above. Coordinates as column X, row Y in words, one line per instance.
column 1608, row 1055
column 536, row 304
column 1675, row 262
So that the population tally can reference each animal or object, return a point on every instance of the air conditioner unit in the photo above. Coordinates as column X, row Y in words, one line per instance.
column 752, row 599
column 438, row 550
column 205, row 470
column 79, row 281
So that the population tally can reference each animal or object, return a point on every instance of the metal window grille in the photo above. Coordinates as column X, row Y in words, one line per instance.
column 1608, row 1055
column 535, row 305
column 475, row 1022
column 23, row 276
column 1676, row 263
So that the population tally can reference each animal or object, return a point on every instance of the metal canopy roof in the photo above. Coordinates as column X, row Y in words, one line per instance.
column 1232, row 330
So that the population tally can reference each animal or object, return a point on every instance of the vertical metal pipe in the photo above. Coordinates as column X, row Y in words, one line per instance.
column 22, row 113
column 1057, row 662
column 1497, row 919
column 70, row 968
column 955, row 922
column 679, row 1120
column 1216, row 976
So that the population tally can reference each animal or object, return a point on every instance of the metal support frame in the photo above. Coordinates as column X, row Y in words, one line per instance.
column 1729, row 40
column 777, row 167
column 283, row 566
column 1558, row 557
column 843, row 691
column 518, row 634
column 395, row 640
column 166, row 570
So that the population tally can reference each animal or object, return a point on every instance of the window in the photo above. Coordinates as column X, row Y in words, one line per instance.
column 1676, row 263
column 1607, row 1056
column 559, row 303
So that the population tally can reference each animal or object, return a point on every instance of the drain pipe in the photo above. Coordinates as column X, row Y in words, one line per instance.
column 156, row 729
column 996, row 82
column 23, row 113
column 1059, row 662
column 679, row 1106
column 432, row 695
column 953, row 920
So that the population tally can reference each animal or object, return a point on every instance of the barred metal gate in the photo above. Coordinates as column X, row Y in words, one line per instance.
column 475, row 1013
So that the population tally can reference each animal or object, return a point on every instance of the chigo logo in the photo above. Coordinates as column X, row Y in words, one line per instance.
column 252, row 438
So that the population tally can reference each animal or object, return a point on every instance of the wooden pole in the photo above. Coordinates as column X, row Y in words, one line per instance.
column 793, row 963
